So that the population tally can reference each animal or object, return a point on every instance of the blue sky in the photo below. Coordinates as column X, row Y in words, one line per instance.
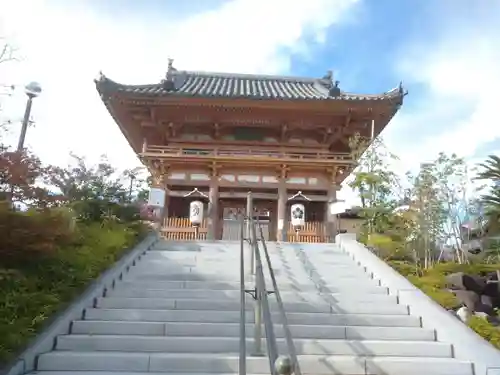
column 446, row 52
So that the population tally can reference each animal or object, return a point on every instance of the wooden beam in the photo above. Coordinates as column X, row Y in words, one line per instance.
column 341, row 131
column 243, row 195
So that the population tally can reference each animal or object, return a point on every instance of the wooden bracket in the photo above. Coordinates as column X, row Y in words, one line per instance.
column 216, row 131
column 338, row 133
column 283, row 171
column 214, row 169
column 284, row 132
column 172, row 130
column 159, row 171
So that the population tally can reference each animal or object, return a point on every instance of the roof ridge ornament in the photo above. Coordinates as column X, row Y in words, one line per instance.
column 328, row 76
column 168, row 82
column 335, row 90
column 402, row 93
column 331, row 84
column 101, row 77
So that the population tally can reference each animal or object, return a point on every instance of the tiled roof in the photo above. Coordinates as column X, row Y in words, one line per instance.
column 222, row 85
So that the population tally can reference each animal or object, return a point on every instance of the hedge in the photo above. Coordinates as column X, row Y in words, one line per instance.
column 53, row 264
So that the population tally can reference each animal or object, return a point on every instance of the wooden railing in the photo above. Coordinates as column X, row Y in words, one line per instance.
column 312, row 231
column 241, row 152
column 180, row 229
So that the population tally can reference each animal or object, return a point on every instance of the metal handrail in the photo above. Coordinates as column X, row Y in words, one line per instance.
column 243, row 335
column 263, row 303
column 283, row 365
column 292, row 352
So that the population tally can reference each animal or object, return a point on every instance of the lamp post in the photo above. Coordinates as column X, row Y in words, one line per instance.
column 32, row 90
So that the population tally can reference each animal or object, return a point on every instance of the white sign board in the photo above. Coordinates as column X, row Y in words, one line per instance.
column 196, row 213
column 156, row 197
column 298, row 215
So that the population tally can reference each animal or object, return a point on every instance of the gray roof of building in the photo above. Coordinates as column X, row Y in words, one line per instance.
column 225, row 85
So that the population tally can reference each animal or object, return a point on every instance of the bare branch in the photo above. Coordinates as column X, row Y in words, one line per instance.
column 7, row 52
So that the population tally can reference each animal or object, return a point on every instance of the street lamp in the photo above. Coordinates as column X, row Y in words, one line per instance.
column 32, row 90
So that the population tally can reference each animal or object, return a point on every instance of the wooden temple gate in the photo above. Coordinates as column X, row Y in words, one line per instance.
column 226, row 134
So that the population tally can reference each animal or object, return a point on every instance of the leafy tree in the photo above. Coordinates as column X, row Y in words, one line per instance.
column 136, row 183
column 438, row 195
column 490, row 170
column 19, row 173
column 80, row 182
column 96, row 193
column 375, row 182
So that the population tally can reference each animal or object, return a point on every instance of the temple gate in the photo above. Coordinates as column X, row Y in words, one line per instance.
column 215, row 136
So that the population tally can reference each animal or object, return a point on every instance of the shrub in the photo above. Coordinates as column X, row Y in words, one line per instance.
column 94, row 210
column 405, row 268
column 484, row 329
column 32, row 235
column 432, row 282
column 33, row 291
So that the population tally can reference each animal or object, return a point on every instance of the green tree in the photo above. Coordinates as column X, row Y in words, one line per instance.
column 136, row 183
column 438, row 192
column 489, row 170
column 80, row 182
column 378, row 185
column 95, row 193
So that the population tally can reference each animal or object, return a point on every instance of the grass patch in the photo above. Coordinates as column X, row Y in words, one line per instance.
column 34, row 289
column 432, row 282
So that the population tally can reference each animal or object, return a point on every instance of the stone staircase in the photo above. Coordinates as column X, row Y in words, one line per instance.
column 177, row 311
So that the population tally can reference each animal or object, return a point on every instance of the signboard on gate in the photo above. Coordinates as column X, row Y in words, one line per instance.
column 156, row 197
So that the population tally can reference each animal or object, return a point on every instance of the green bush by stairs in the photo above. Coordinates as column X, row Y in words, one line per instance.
column 46, row 262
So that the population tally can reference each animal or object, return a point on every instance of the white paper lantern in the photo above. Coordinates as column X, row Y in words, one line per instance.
column 298, row 214
column 196, row 213
column 156, row 197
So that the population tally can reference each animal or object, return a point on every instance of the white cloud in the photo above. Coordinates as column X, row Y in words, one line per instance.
column 460, row 75
column 64, row 47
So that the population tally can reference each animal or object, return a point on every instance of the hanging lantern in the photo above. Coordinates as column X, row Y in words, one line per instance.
column 298, row 215
column 196, row 213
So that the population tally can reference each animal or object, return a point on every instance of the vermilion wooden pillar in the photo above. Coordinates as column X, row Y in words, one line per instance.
column 213, row 212
column 281, row 225
column 330, row 220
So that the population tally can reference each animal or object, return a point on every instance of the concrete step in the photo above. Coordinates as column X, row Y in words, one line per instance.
column 167, row 267
column 154, row 258
column 201, row 316
column 352, row 307
column 224, row 276
column 196, row 363
column 121, row 343
column 289, row 296
column 90, row 327
column 233, row 285
column 124, row 373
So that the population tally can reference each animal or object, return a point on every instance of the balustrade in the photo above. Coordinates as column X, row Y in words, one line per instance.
column 281, row 153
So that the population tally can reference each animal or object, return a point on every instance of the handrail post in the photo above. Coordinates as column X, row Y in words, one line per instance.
column 249, row 232
column 258, row 314
column 243, row 336
column 284, row 365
